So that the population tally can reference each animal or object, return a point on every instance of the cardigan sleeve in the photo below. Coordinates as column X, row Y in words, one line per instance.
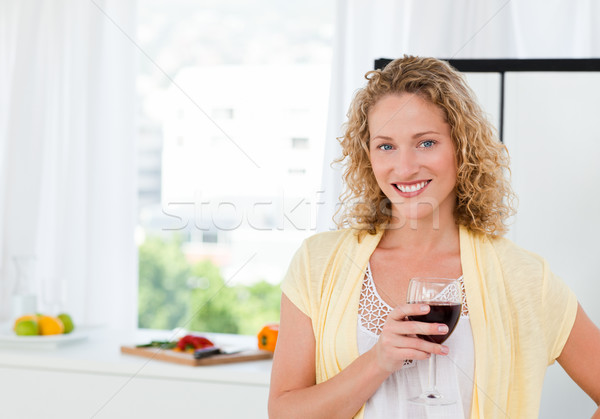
column 295, row 284
column 559, row 311
column 542, row 304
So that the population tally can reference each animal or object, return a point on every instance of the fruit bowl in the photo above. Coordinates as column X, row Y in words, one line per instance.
column 9, row 338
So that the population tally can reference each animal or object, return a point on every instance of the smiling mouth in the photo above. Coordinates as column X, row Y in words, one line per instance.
column 413, row 187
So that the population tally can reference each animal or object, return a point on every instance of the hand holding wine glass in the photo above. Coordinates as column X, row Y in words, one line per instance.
column 398, row 341
column 444, row 299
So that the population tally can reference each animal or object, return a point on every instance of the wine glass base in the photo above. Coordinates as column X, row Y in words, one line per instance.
column 431, row 399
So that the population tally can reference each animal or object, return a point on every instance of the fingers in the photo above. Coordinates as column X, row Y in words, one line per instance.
column 391, row 351
column 428, row 347
column 408, row 327
column 399, row 341
column 402, row 326
column 399, row 332
column 403, row 310
column 413, row 343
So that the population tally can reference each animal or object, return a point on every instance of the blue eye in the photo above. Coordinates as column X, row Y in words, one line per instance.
column 427, row 143
column 385, row 147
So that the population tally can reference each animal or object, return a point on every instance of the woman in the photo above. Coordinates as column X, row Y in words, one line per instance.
column 426, row 197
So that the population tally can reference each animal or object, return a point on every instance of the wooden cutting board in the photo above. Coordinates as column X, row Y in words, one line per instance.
column 186, row 358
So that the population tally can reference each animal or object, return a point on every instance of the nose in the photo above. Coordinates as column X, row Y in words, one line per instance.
column 406, row 165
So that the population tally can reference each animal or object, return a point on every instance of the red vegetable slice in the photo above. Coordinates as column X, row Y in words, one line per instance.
column 193, row 342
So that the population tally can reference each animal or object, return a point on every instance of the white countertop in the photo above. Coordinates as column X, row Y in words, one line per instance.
column 99, row 353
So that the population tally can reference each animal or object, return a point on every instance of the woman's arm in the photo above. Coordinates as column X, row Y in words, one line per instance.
column 580, row 356
column 293, row 389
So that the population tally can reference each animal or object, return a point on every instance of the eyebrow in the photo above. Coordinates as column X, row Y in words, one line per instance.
column 417, row 135
column 383, row 137
column 420, row 134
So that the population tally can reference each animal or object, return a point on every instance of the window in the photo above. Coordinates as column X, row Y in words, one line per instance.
column 224, row 199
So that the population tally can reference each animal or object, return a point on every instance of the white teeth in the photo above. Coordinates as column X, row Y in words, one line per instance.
column 412, row 188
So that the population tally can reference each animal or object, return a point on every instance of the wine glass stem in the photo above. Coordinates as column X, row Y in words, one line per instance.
column 432, row 374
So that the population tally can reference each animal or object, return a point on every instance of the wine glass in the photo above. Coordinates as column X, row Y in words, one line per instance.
column 444, row 299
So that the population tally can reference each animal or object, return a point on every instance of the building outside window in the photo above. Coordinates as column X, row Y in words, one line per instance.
column 228, row 89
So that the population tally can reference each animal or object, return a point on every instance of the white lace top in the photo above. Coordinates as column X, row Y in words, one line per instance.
column 454, row 371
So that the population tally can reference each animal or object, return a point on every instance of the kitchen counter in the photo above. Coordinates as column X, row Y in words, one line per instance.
column 91, row 378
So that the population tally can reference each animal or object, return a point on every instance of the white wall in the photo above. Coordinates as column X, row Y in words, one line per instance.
column 552, row 133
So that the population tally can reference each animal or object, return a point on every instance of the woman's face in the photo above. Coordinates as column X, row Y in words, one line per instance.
column 413, row 158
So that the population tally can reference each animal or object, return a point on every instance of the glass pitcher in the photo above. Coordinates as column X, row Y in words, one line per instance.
column 24, row 298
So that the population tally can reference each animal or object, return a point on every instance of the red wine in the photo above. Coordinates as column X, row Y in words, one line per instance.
column 447, row 313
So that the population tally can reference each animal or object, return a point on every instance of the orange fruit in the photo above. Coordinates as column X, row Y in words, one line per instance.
column 50, row 325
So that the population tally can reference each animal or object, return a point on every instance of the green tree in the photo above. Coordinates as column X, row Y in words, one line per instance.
column 213, row 303
column 258, row 304
column 163, row 274
column 174, row 293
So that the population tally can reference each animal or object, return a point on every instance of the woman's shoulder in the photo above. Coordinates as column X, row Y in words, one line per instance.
column 514, row 257
column 320, row 251
column 326, row 247
column 332, row 239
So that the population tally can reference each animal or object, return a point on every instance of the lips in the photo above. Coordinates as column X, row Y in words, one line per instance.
column 412, row 188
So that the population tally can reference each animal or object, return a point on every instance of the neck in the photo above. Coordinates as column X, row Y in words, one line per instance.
column 421, row 235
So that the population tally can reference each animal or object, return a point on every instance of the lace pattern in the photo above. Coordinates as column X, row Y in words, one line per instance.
column 464, row 311
column 372, row 310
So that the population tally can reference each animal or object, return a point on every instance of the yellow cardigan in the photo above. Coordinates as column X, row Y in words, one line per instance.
column 521, row 314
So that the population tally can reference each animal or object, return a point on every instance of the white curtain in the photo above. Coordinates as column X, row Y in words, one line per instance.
column 67, row 169
column 367, row 30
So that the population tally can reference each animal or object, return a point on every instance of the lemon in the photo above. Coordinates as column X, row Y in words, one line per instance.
column 27, row 327
column 67, row 322
column 50, row 325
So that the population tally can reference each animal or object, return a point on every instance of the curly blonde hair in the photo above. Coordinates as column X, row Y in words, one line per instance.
column 484, row 195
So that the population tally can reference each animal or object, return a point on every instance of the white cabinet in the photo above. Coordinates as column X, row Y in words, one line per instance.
column 92, row 379
column 27, row 394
